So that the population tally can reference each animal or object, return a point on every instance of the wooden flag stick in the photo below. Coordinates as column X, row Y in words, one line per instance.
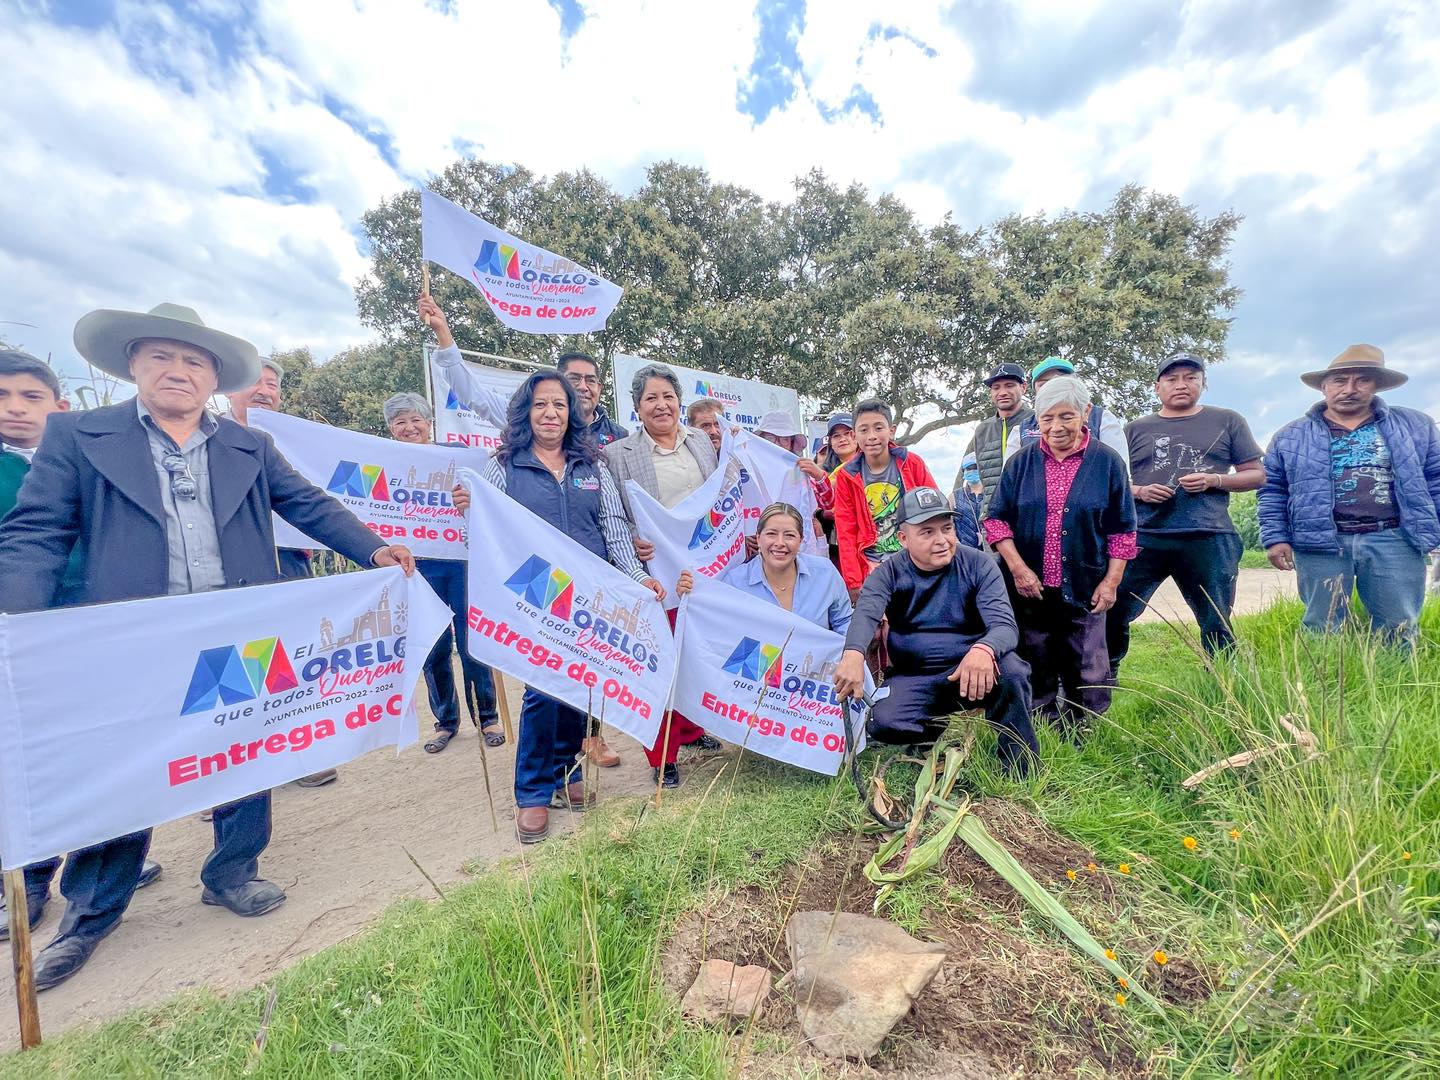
column 497, row 680
column 17, row 904
column 424, row 279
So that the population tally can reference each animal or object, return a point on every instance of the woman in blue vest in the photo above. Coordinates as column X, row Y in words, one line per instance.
column 549, row 464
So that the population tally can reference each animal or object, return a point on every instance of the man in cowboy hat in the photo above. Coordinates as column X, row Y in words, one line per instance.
column 159, row 497
column 1351, row 495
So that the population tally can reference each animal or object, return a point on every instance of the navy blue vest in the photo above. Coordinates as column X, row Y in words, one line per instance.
column 572, row 507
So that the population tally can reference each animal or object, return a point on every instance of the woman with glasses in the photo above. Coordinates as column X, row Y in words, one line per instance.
column 548, row 463
column 410, row 420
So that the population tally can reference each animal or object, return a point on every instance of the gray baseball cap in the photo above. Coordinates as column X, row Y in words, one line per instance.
column 923, row 504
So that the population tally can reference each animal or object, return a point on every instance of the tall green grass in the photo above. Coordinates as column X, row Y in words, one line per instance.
column 1320, row 933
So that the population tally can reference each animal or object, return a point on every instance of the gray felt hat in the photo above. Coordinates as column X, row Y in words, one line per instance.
column 104, row 337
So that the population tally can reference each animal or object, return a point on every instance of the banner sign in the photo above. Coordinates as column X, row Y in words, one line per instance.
column 772, row 474
column 528, row 288
column 746, row 400
column 122, row 716
column 454, row 423
column 399, row 491
column 704, row 532
column 563, row 620
column 761, row 677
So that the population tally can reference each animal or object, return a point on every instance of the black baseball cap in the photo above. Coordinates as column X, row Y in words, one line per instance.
column 1007, row 371
column 922, row 504
column 1177, row 360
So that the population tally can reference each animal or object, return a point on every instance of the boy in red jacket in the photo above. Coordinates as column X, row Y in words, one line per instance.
column 868, row 490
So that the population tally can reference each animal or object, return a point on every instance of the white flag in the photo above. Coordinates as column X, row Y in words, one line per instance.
column 563, row 620
column 772, row 475
column 703, row 532
column 399, row 491
column 131, row 714
column 762, row 677
column 528, row 288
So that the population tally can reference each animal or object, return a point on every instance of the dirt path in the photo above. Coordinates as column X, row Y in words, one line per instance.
column 339, row 852
column 1255, row 591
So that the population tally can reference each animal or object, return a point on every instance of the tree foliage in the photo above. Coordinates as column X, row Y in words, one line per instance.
column 835, row 292
column 350, row 388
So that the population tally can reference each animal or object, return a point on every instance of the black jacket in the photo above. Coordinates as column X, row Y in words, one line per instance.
column 93, row 487
column 1099, row 506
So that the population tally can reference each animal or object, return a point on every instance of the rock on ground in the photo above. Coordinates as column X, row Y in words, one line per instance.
column 855, row 977
column 725, row 991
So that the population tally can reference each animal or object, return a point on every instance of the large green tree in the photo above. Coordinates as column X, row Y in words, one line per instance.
column 835, row 292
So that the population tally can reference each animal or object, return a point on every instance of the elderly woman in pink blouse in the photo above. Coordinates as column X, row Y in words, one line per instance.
column 1063, row 521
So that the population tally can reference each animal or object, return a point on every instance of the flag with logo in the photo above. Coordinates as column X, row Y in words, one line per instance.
column 399, row 491
column 761, row 677
column 772, row 474
column 118, row 717
column 527, row 287
column 559, row 618
column 703, row 532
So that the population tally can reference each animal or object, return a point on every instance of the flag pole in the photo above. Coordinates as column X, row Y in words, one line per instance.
column 18, row 907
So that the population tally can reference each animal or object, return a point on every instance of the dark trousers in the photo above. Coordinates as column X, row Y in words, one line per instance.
column 1204, row 566
column 99, row 881
column 917, row 705
column 1069, row 663
column 447, row 578
column 548, row 744
column 37, row 883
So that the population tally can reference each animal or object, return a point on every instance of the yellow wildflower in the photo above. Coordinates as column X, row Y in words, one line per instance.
column 1190, row 843
column 1070, row 874
column 1124, row 983
column 1405, row 855
column 1120, row 1000
column 1109, row 954
column 1161, row 958
column 1234, row 834
column 1124, row 868
column 1091, row 867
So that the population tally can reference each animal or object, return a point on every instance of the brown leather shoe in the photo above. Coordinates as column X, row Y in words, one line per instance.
column 573, row 797
column 532, row 824
column 596, row 749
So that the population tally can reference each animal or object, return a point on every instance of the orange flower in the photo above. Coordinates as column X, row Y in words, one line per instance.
column 1124, row 868
column 1190, row 843
column 1160, row 957
column 1124, row 983
column 1405, row 856
column 1120, row 1000
column 1109, row 954
column 1234, row 834
column 1091, row 867
column 1070, row 874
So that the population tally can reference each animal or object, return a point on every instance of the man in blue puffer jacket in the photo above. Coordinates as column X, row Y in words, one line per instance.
column 1351, row 496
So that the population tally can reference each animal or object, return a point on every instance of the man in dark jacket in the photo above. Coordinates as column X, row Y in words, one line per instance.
column 952, row 637
column 1351, row 496
column 161, row 498
column 1007, row 394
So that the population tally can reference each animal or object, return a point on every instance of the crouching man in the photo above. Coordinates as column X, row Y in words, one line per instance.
column 952, row 637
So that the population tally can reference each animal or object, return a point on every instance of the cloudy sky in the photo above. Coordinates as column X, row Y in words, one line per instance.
column 220, row 154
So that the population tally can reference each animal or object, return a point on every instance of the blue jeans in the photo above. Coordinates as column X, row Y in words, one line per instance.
column 548, row 744
column 447, row 578
column 1387, row 570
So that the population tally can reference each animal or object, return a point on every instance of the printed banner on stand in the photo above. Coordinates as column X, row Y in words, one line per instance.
column 559, row 618
column 773, row 475
column 400, row 491
column 454, row 422
column 703, row 532
column 119, row 717
column 761, row 677
column 527, row 287
column 746, row 400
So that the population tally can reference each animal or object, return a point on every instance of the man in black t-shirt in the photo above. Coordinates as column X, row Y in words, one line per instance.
column 1180, row 473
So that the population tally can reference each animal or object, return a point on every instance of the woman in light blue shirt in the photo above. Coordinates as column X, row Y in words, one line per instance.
column 782, row 574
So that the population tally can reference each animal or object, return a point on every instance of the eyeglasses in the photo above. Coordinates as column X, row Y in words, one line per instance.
column 182, row 481
column 576, row 379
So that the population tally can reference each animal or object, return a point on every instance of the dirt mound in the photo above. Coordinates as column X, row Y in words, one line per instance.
column 1002, row 1003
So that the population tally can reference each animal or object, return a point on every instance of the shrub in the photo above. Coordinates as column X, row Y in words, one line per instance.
column 1245, row 513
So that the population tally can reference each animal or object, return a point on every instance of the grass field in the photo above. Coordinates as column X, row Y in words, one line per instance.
column 1310, row 901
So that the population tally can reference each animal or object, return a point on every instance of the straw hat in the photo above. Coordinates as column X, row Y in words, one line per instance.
column 1363, row 358
column 104, row 338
